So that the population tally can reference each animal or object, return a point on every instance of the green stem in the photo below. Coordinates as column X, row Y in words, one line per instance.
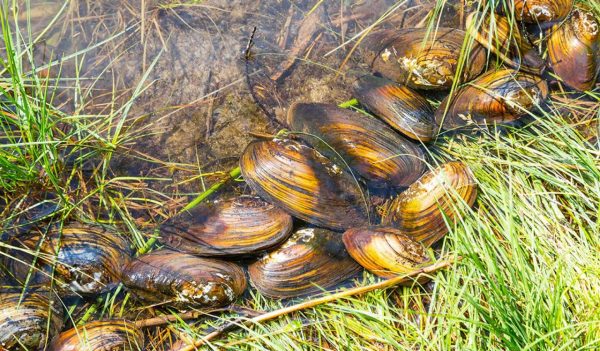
column 233, row 174
column 349, row 103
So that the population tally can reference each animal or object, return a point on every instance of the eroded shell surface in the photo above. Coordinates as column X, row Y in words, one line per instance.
column 425, row 59
column 304, row 183
column 370, row 147
column 311, row 260
column 385, row 251
column 400, row 107
column 244, row 225
column 183, row 281
column 574, row 49
column 538, row 11
column 421, row 211
column 119, row 335
column 495, row 97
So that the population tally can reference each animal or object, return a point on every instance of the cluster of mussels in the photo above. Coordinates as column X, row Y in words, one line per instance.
column 320, row 173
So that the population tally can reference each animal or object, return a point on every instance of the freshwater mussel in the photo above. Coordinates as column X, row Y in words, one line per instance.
column 537, row 11
column 311, row 260
column 300, row 180
column 438, row 196
column 121, row 335
column 29, row 320
column 385, row 251
column 243, row 225
column 184, row 281
column 425, row 59
column 83, row 259
column 495, row 97
column 574, row 49
column 370, row 147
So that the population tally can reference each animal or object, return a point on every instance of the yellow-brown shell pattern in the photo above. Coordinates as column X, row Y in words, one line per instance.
column 121, row 335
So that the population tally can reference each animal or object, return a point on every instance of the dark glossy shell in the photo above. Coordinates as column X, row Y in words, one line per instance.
column 371, row 148
column 495, row 97
column 400, row 107
column 421, row 210
column 504, row 39
column 304, row 183
column 311, row 260
column 30, row 320
column 574, row 49
column 425, row 60
column 385, row 251
column 88, row 258
column 539, row 11
column 240, row 226
column 121, row 335
column 184, row 281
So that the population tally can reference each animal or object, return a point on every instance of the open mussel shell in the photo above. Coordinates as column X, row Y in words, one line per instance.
column 537, row 11
column 243, row 225
column 495, row 97
column 119, row 335
column 422, row 210
column 574, row 49
column 29, row 320
column 370, row 147
column 301, row 181
column 400, row 107
column 504, row 39
column 425, row 59
column 83, row 259
column 385, row 251
column 184, row 281
column 311, row 260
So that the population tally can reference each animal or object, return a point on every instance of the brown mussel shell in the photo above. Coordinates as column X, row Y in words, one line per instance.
column 300, row 180
column 119, row 335
column 504, row 39
column 495, row 97
column 244, row 225
column 421, row 211
column 385, row 251
column 425, row 59
column 184, row 281
column 86, row 259
column 539, row 11
column 372, row 149
column 399, row 106
column 574, row 49
column 311, row 260
column 29, row 320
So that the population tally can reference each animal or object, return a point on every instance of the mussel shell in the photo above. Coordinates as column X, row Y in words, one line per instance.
column 425, row 59
column 243, row 225
column 574, row 49
column 119, row 335
column 86, row 259
column 421, row 211
column 184, row 281
column 504, row 39
column 539, row 11
column 371, row 148
column 29, row 320
column 311, row 260
column 400, row 107
column 495, row 97
column 385, row 251
column 304, row 183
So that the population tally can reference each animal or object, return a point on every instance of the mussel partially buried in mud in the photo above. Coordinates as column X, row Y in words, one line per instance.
column 311, row 260
column 121, row 335
column 495, row 97
column 400, row 107
column 574, row 49
column 425, row 59
column 300, row 180
column 372, row 149
column 184, row 281
column 83, row 259
column 29, row 320
column 243, row 225
column 422, row 210
column 385, row 251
